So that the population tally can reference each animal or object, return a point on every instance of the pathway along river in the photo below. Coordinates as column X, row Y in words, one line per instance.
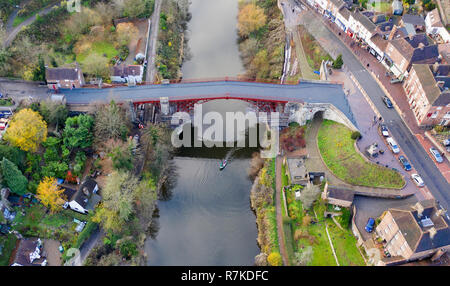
column 208, row 220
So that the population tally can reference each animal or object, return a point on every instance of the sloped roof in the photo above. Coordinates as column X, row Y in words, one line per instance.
column 378, row 40
column 369, row 25
column 344, row 12
column 435, row 19
column 416, row 234
column 23, row 250
column 62, row 73
column 427, row 81
column 413, row 19
column 124, row 71
column 340, row 194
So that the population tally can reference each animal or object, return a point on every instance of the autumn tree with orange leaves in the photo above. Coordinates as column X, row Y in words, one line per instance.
column 250, row 18
column 26, row 130
column 50, row 194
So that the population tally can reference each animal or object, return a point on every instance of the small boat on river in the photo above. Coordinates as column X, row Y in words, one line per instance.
column 223, row 164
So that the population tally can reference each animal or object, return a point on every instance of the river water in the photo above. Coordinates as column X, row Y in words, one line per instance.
column 208, row 220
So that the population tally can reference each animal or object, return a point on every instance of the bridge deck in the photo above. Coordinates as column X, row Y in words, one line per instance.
column 310, row 92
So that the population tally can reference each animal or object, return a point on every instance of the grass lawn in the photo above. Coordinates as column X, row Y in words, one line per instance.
column 9, row 243
column 101, row 48
column 18, row 20
column 313, row 51
column 338, row 151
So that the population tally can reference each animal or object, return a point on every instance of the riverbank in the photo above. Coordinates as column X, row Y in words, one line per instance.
column 261, row 44
column 172, row 41
column 263, row 204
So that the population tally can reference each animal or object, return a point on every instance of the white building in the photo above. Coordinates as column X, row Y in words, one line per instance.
column 434, row 26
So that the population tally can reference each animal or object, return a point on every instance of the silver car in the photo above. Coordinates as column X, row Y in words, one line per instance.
column 436, row 155
column 417, row 180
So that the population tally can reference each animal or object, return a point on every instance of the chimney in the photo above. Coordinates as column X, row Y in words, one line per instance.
column 440, row 212
column 435, row 68
column 432, row 231
column 419, row 208
column 438, row 254
column 440, row 84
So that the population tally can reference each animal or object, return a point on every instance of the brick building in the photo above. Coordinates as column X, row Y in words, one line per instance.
column 64, row 77
column 428, row 95
column 414, row 232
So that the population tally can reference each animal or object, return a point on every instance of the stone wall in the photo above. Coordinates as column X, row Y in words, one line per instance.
column 301, row 113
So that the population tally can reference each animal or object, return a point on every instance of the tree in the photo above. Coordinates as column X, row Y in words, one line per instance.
column 274, row 259
column 110, row 122
column 337, row 64
column 96, row 65
column 122, row 156
column 50, row 194
column 303, row 257
column 78, row 132
column 250, row 18
column 120, row 196
column 13, row 177
column 53, row 112
column 27, row 130
column 309, row 195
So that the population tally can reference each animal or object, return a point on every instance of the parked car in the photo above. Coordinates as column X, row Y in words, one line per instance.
column 417, row 180
column 446, row 142
column 3, row 123
column 436, row 155
column 370, row 224
column 396, row 80
column 404, row 163
column 388, row 102
column 393, row 145
column 384, row 130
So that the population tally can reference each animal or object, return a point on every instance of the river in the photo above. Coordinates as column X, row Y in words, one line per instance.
column 208, row 220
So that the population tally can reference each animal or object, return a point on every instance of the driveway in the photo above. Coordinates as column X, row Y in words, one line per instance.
column 151, row 52
column 372, row 208
column 13, row 31
column 20, row 89
column 51, row 247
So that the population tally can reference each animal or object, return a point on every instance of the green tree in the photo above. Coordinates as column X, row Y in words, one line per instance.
column 78, row 132
column 13, row 177
column 110, row 122
column 337, row 64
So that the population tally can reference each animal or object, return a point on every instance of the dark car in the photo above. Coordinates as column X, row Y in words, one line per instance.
column 384, row 130
column 388, row 102
column 370, row 224
column 405, row 163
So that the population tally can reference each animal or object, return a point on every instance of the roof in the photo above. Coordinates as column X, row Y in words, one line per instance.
column 340, row 194
column 416, row 20
column 89, row 183
column 426, row 79
column 22, row 253
column 124, row 71
column 69, row 73
column 84, row 196
column 416, row 232
column 444, row 51
column 344, row 12
column 297, row 168
column 68, row 193
column 379, row 18
column 378, row 40
column 369, row 25
column 337, row 3
column 435, row 19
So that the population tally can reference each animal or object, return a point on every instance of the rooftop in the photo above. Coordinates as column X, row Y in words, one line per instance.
column 415, row 20
column 62, row 73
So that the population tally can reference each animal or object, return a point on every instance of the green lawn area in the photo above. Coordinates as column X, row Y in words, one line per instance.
column 101, row 48
column 338, row 151
column 18, row 20
column 315, row 235
column 9, row 243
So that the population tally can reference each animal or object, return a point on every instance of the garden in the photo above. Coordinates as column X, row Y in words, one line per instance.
column 337, row 148
column 304, row 224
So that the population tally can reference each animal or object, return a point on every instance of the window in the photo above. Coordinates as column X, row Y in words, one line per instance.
column 386, row 230
column 396, row 236
column 390, row 226
column 447, row 115
column 435, row 114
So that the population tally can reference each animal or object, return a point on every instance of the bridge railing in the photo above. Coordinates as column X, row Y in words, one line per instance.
column 205, row 80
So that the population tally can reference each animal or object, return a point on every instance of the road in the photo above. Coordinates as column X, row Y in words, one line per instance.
column 433, row 178
column 151, row 52
column 11, row 32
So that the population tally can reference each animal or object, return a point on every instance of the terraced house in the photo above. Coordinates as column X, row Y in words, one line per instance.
column 414, row 232
column 427, row 90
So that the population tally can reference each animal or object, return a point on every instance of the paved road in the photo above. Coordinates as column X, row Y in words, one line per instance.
column 151, row 52
column 409, row 144
column 12, row 32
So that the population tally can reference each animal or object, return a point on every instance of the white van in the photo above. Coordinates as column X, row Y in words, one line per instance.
column 393, row 145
